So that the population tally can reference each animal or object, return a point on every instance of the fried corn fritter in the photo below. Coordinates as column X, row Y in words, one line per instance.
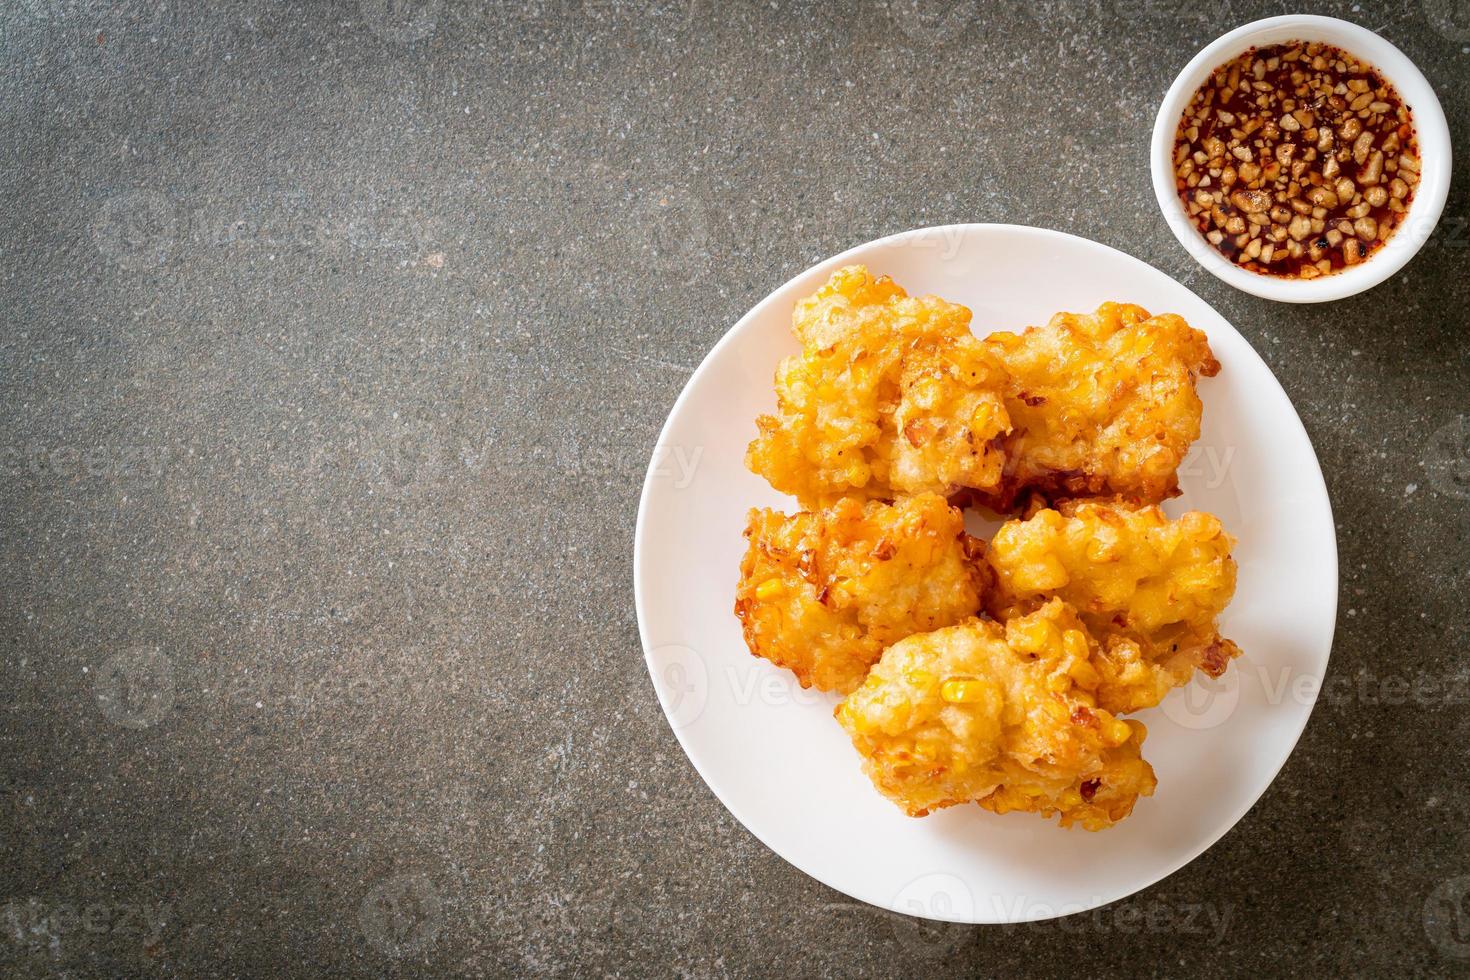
column 999, row 715
column 1100, row 404
column 1148, row 589
column 823, row 592
column 892, row 394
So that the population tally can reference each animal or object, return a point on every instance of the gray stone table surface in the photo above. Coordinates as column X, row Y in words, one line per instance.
column 336, row 339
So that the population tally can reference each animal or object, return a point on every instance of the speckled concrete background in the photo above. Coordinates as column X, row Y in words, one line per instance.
column 336, row 337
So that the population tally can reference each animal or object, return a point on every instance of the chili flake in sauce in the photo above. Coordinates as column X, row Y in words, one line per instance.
column 1296, row 160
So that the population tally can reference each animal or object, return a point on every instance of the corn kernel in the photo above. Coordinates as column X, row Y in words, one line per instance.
column 1084, row 674
column 919, row 678
column 1117, row 732
column 1074, row 642
column 1201, row 527
column 1030, row 636
column 1057, row 683
column 770, row 588
column 1049, row 519
column 1071, row 798
column 962, row 691
column 1102, row 551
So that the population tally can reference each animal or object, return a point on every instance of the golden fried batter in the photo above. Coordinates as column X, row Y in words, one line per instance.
column 891, row 395
column 824, row 592
column 1000, row 716
column 1149, row 590
column 1100, row 404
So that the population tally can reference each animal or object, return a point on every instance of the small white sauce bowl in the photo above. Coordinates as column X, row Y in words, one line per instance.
column 1429, row 123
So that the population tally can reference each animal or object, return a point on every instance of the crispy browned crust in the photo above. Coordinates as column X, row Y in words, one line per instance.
column 1101, row 405
column 1148, row 588
column 1003, row 715
column 892, row 395
column 822, row 592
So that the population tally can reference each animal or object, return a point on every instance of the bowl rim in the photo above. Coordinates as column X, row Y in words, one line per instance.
column 1429, row 120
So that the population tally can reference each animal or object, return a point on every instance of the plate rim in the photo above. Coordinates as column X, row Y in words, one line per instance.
column 640, row 553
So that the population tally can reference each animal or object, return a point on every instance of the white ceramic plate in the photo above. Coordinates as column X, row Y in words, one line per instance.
column 772, row 752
